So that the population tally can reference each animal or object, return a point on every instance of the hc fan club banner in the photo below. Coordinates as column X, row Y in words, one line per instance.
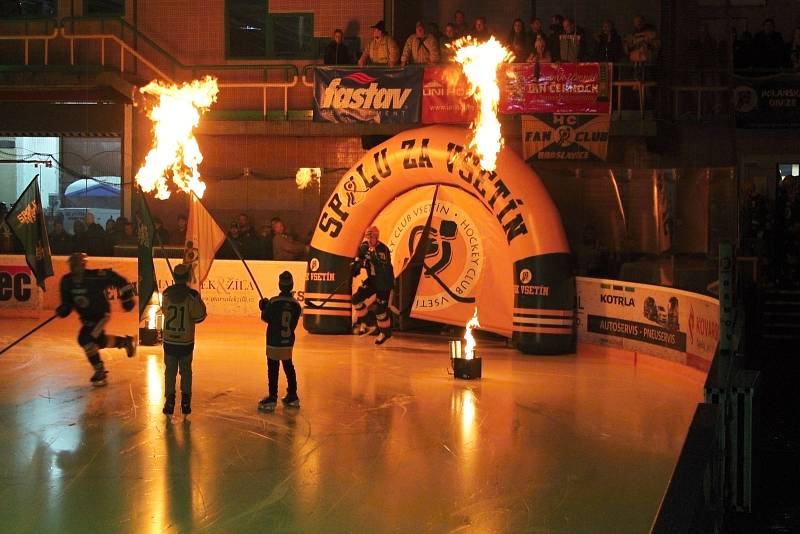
column 376, row 94
column 669, row 323
column 565, row 136
column 444, row 97
column 767, row 102
column 556, row 88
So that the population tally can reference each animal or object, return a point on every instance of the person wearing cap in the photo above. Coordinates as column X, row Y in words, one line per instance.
column 422, row 48
column 183, row 308
column 85, row 291
column 381, row 50
column 281, row 313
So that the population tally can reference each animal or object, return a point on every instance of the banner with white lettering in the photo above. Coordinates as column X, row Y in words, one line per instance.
column 19, row 293
column 565, row 136
column 669, row 323
column 556, row 88
column 370, row 94
column 767, row 101
column 444, row 96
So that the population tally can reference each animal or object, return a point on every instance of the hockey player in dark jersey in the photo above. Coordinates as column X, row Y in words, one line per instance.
column 281, row 313
column 375, row 258
column 84, row 290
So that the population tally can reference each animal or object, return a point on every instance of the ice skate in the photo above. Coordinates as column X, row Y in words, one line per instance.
column 186, row 403
column 99, row 377
column 169, row 405
column 291, row 400
column 369, row 331
column 129, row 346
column 382, row 338
column 267, row 404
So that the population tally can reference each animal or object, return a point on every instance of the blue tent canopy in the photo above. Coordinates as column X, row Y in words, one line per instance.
column 101, row 186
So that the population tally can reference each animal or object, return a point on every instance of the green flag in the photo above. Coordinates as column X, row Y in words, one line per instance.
column 147, row 272
column 26, row 220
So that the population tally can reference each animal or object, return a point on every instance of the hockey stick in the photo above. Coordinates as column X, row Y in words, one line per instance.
column 326, row 299
column 29, row 333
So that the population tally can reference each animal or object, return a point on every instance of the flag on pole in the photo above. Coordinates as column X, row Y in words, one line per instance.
column 26, row 220
column 147, row 271
column 203, row 239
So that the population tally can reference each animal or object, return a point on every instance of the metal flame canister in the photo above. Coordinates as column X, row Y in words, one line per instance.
column 462, row 367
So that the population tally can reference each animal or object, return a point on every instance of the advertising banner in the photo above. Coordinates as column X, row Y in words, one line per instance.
column 565, row 136
column 227, row 291
column 370, row 94
column 19, row 294
column 444, row 97
column 768, row 101
column 660, row 321
column 556, row 88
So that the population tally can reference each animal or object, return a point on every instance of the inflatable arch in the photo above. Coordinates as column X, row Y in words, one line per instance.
column 543, row 286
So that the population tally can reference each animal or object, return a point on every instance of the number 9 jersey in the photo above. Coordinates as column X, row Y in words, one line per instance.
column 281, row 315
column 182, row 308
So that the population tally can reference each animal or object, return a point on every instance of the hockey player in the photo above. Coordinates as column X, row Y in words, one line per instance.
column 183, row 308
column 375, row 258
column 281, row 313
column 84, row 290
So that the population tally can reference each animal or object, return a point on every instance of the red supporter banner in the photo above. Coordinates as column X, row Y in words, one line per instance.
column 444, row 96
column 556, row 88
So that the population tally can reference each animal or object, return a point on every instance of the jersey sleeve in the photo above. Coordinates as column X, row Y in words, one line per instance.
column 197, row 309
column 124, row 287
column 66, row 298
column 296, row 312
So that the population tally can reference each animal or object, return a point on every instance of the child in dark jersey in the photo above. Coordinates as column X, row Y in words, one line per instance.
column 281, row 313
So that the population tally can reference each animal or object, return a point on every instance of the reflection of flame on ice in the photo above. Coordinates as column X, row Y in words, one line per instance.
column 152, row 311
column 469, row 349
column 175, row 153
column 307, row 175
column 480, row 61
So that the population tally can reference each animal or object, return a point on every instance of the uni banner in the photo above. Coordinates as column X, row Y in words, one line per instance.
column 444, row 97
column 768, row 101
column 556, row 88
column 371, row 94
column 565, row 136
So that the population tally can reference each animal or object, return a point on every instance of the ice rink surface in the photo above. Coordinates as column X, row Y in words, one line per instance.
column 385, row 440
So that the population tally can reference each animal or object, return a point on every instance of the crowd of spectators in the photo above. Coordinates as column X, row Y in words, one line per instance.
column 120, row 237
column 766, row 50
column 562, row 41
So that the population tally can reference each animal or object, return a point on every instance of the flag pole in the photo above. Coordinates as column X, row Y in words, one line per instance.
column 233, row 246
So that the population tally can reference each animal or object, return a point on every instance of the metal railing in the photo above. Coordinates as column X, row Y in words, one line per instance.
column 27, row 37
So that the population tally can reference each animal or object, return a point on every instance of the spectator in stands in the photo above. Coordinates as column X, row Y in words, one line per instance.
column 446, row 52
column 556, row 29
column 608, row 44
column 110, row 226
column 337, row 53
column 245, row 228
column 769, row 49
column 284, row 248
column 420, row 48
column 518, row 41
column 540, row 53
column 536, row 29
column 794, row 50
column 381, row 50
column 642, row 44
column 95, row 237
column 572, row 43
column 461, row 26
column 162, row 234
column 481, row 31
column 227, row 251
column 128, row 237
column 179, row 238
column 61, row 243
column 265, row 241
column 742, row 50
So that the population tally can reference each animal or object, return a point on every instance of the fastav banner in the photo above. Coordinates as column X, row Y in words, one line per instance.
column 767, row 101
column 556, row 88
column 444, row 96
column 565, row 136
column 664, row 322
column 371, row 94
